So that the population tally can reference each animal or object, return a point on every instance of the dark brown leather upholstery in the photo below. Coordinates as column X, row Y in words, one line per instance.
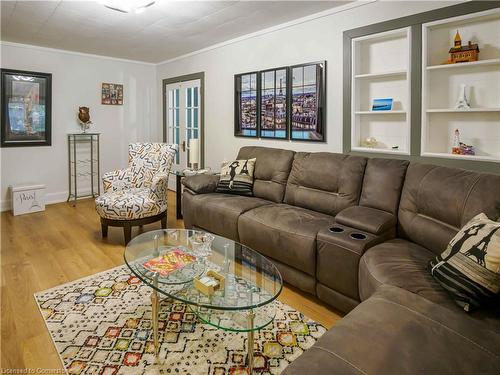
column 201, row 184
column 367, row 219
column 325, row 182
column 338, row 256
column 284, row 233
column 437, row 201
column 398, row 332
column 382, row 184
column 272, row 168
column 400, row 263
column 218, row 213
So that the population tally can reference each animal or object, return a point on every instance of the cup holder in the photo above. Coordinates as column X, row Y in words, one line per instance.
column 336, row 229
column 357, row 236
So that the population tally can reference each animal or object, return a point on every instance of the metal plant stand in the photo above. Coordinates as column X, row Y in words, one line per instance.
column 83, row 166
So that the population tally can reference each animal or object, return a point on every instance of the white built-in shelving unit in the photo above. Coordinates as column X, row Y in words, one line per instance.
column 381, row 69
column 479, row 126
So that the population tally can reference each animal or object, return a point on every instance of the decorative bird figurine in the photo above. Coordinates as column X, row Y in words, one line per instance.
column 84, row 118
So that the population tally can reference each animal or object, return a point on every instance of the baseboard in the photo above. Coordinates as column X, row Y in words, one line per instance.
column 50, row 198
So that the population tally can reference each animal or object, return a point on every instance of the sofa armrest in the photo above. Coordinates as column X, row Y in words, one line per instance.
column 120, row 179
column 201, row 183
column 367, row 219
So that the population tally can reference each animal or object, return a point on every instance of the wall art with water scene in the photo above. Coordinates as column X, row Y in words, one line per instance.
column 282, row 103
column 26, row 108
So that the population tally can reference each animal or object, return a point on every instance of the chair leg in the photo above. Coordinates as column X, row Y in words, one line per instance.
column 104, row 229
column 127, row 232
column 164, row 222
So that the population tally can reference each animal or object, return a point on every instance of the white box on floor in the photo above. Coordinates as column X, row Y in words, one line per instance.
column 27, row 199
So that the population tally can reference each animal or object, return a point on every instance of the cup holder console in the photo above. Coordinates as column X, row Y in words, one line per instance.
column 336, row 229
column 357, row 236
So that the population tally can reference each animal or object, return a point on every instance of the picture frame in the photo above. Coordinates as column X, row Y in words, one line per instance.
column 308, row 102
column 246, row 104
column 385, row 104
column 274, row 103
column 112, row 94
column 26, row 111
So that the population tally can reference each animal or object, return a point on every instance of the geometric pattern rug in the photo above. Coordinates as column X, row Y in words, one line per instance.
column 101, row 325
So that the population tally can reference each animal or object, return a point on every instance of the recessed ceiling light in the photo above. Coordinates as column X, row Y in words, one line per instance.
column 128, row 6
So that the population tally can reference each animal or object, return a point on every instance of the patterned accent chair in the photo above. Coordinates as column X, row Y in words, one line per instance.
column 137, row 195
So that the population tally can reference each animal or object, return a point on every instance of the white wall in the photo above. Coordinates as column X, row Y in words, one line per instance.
column 76, row 81
column 314, row 40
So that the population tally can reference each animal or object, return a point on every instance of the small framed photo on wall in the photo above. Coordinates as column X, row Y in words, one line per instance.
column 112, row 94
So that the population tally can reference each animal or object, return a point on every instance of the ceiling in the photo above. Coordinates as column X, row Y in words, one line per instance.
column 164, row 31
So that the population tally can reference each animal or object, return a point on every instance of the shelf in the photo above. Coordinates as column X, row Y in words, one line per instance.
column 380, row 112
column 379, row 150
column 394, row 73
column 472, row 110
column 465, row 65
column 463, row 157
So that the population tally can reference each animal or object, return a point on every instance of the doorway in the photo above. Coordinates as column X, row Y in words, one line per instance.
column 183, row 118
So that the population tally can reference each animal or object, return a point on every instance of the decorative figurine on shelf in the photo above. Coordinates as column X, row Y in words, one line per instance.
column 462, row 102
column 460, row 148
column 84, row 118
column 459, row 53
column 369, row 142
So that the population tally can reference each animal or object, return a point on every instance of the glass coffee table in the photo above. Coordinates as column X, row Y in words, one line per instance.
column 244, row 301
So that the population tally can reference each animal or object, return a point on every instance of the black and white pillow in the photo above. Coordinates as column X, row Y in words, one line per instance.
column 469, row 268
column 236, row 177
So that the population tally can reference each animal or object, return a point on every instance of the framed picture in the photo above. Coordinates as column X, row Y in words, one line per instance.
column 382, row 104
column 112, row 94
column 246, row 98
column 26, row 108
column 274, row 103
column 308, row 102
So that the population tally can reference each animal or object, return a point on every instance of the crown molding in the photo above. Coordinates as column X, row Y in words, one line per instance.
column 83, row 54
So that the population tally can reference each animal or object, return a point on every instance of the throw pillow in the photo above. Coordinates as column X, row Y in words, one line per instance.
column 469, row 268
column 236, row 177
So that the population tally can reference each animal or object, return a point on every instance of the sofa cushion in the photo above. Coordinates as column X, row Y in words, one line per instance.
column 437, row 201
column 201, row 183
column 325, row 182
column 284, row 233
column 271, row 170
column 403, row 264
column 218, row 213
column 397, row 332
column 382, row 184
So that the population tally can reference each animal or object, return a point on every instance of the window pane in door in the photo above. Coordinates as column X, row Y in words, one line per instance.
column 188, row 97
column 195, row 97
column 195, row 117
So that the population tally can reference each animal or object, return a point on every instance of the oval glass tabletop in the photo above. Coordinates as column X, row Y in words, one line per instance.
column 169, row 260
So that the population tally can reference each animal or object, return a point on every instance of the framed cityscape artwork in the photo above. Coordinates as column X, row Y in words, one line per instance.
column 274, row 103
column 26, row 108
column 246, row 93
column 308, row 98
column 112, row 94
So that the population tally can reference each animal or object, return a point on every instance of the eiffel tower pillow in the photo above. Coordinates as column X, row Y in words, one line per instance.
column 469, row 268
column 236, row 177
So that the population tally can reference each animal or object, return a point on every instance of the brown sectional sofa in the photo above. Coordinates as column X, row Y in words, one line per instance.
column 350, row 229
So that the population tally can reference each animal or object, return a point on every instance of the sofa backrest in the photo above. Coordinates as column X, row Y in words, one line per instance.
column 437, row 201
column 272, row 168
column 382, row 184
column 325, row 182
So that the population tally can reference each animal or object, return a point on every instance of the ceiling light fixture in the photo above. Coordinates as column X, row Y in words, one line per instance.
column 128, row 6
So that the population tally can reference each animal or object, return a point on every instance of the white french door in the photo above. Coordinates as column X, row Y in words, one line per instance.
column 183, row 119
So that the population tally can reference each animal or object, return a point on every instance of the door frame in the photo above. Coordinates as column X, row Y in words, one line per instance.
column 179, row 79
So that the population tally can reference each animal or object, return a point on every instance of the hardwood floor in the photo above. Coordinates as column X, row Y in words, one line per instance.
column 46, row 249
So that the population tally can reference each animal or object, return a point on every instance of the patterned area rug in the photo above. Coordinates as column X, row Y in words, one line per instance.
column 102, row 325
